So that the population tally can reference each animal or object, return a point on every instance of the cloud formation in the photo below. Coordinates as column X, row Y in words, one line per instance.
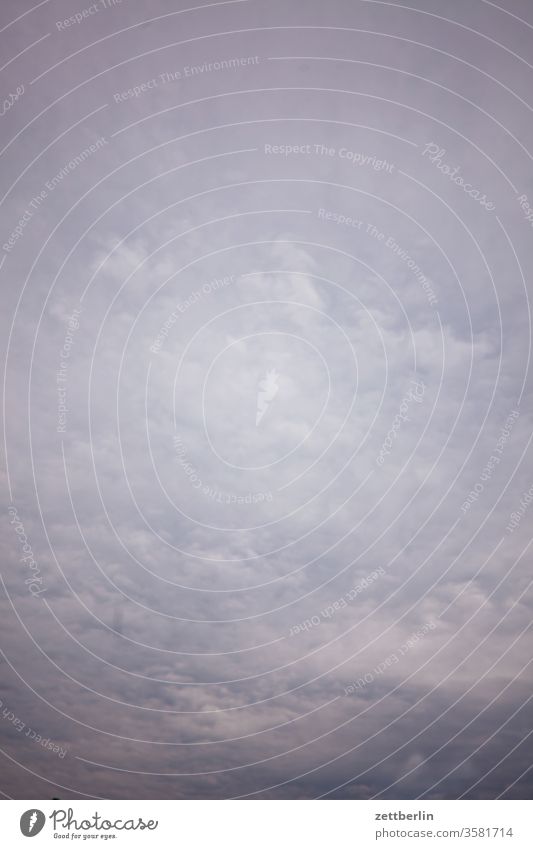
column 262, row 344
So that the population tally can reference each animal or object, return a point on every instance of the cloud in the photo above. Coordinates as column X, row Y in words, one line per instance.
column 205, row 569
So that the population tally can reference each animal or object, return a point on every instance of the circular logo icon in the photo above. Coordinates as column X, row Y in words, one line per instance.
column 32, row 822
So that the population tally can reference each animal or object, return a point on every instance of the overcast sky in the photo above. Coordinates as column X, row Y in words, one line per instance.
column 266, row 473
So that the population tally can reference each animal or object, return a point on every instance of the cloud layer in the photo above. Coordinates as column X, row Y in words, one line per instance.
column 266, row 334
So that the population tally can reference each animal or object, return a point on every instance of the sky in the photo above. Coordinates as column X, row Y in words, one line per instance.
column 266, row 457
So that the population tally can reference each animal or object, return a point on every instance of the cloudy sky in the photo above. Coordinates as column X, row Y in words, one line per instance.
column 266, row 461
